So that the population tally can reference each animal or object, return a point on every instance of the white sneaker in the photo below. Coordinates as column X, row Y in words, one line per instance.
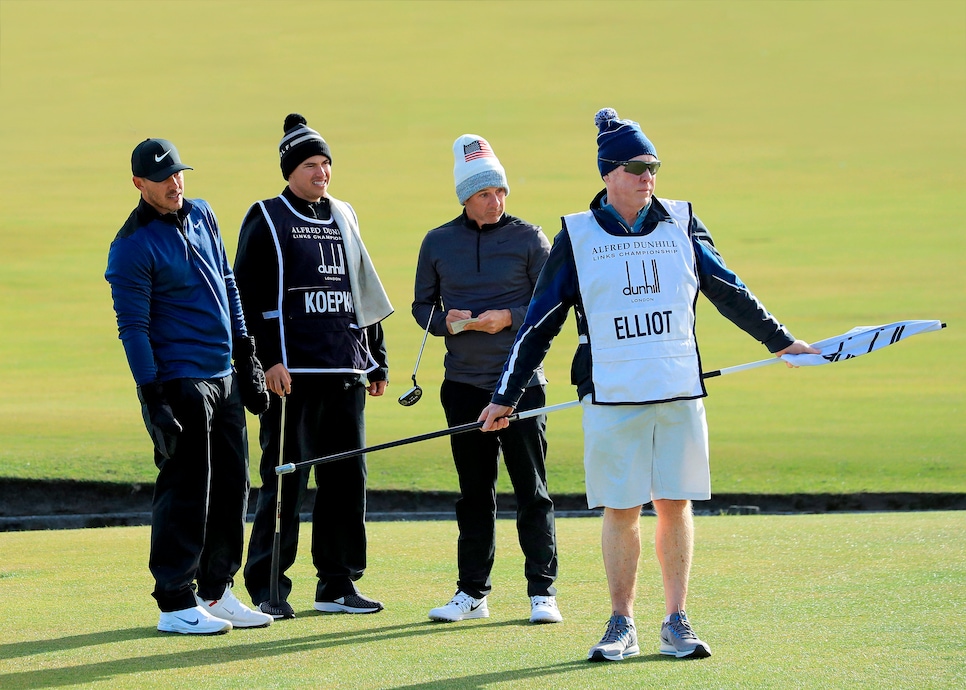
column 230, row 609
column 193, row 621
column 461, row 607
column 543, row 609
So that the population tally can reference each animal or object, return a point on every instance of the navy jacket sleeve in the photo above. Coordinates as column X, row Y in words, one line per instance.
column 129, row 273
column 237, row 316
column 555, row 292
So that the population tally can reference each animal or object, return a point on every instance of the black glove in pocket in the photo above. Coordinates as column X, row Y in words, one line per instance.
column 159, row 419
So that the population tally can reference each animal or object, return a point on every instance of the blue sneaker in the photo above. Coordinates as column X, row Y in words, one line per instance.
column 619, row 641
column 678, row 639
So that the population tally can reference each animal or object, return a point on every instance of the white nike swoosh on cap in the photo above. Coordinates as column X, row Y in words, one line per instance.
column 158, row 159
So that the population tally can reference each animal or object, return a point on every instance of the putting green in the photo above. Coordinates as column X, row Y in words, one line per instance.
column 820, row 142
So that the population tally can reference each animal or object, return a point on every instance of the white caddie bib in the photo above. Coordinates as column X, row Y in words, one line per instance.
column 638, row 293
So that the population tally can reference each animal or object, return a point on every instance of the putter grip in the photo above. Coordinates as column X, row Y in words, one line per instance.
column 287, row 468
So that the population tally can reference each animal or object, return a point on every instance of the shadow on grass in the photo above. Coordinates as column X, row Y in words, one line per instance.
column 485, row 680
column 241, row 650
column 58, row 644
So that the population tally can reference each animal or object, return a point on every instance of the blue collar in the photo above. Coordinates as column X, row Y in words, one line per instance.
column 638, row 221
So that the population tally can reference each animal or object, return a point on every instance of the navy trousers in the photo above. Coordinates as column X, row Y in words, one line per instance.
column 201, row 494
column 323, row 416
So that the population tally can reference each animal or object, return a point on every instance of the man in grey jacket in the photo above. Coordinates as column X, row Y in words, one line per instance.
column 474, row 280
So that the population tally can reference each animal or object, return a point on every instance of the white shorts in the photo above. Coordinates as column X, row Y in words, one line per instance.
column 634, row 454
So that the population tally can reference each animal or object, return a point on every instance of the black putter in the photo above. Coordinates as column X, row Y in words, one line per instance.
column 276, row 607
column 412, row 396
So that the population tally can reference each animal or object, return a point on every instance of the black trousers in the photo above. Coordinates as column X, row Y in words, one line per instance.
column 323, row 416
column 201, row 494
column 477, row 457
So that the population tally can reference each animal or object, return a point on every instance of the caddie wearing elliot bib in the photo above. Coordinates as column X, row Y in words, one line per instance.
column 316, row 305
column 632, row 267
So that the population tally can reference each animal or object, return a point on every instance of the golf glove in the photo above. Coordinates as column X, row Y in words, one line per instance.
column 251, row 376
column 159, row 418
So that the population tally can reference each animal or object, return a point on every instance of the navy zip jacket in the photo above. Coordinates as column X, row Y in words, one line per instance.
column 174, row 294
column 557, row 290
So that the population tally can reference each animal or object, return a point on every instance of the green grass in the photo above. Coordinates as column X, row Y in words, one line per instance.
column 812, row 601
column 822, row 143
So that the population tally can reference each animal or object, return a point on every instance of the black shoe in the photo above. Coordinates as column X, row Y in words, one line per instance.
column 351, row 603
column 280, row 610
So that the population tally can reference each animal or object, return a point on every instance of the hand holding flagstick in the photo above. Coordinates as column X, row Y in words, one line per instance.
column 859, row 341
column 799, row 347
column 495, row 417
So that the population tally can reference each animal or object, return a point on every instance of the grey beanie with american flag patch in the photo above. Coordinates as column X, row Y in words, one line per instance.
column 476, row 167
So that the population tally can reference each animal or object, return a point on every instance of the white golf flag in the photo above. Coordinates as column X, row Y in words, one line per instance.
column 860, row 341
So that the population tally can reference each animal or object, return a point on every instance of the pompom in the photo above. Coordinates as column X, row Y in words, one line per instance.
column 603, row 115
column 293, row 121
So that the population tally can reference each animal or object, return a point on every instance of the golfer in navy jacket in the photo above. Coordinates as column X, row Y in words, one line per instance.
column 180, row 320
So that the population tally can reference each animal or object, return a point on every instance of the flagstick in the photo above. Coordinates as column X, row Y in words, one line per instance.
column 470, row 426
column 740, row 367
column 898, row 332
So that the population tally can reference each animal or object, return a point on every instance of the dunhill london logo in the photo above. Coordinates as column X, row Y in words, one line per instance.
column 650, row 286
column 334, row 265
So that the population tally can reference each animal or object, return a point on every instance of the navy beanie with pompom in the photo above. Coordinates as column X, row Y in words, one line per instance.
column 619, row 140
column 300, row 142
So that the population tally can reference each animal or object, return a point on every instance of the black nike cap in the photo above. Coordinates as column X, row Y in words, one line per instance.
column 156, row 160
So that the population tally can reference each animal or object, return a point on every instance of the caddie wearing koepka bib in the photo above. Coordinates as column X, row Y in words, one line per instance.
column 316, row 306
column 316, row 318
column 632, row 268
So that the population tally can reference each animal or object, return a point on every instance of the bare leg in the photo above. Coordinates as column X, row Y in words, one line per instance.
column 674, row 543
column 621, row 546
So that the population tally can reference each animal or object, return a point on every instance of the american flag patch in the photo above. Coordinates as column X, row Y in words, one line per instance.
column 476, row 149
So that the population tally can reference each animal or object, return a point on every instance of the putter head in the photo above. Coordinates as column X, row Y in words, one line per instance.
column 411, row 397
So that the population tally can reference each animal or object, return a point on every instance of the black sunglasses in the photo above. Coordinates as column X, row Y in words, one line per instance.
column 637, row 167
